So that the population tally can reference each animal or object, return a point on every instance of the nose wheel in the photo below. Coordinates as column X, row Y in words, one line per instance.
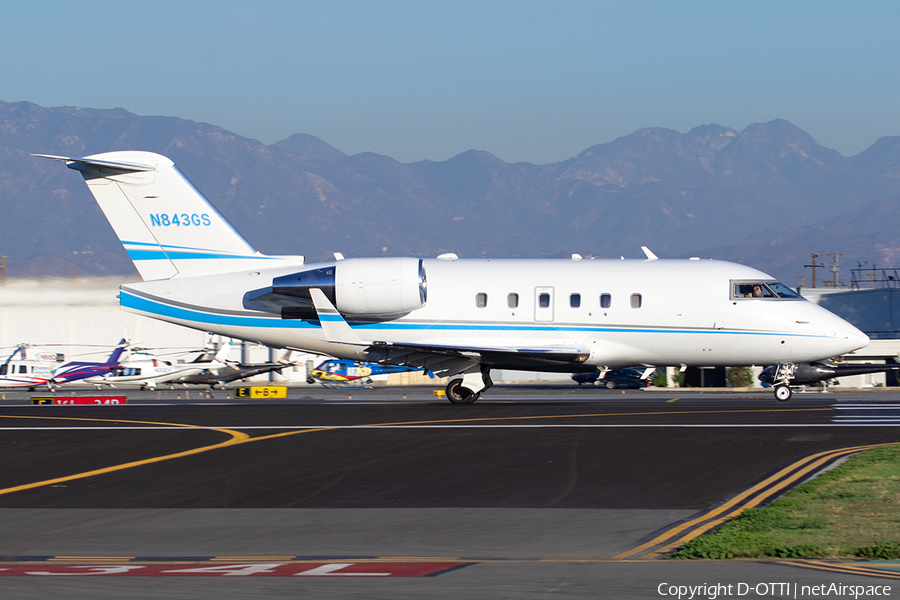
column 783, row 393
column 783, row 376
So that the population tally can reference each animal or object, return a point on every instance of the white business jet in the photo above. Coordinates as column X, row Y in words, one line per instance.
column 456, row 318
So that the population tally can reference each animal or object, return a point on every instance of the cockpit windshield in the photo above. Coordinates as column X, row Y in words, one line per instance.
column 762, row 289
column 782, row 291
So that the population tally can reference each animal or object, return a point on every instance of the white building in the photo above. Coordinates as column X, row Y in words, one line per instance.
column 81, row 319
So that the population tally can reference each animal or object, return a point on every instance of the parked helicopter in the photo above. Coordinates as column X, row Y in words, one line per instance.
column 33, row 367
column 337, row 372
column 147, row 370
column 232, row 371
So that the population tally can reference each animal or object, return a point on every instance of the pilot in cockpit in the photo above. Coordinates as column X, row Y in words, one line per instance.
column 768, row 290
column 752, row 290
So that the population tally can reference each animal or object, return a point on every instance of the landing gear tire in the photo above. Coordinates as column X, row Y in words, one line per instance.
column 610, row 385
column 783, row 393
column 457, row 394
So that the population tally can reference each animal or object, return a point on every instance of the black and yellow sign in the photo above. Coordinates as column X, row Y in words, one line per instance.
column 37, row 400
column 261, row 391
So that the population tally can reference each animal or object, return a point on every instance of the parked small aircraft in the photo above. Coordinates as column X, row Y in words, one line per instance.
column 457, row 318
column 345, row 373
column 806, row 373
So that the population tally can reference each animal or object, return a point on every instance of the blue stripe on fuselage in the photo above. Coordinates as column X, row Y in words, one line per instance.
column 155, row 307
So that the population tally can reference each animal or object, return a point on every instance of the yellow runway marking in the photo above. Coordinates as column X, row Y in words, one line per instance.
column 812, row 462
column 238, row 438
column 672, row 400
column 624, row 414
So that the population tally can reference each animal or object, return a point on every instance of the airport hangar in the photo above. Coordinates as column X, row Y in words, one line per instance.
column 83, row 316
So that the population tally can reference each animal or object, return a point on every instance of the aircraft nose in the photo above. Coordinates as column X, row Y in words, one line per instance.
column 855, row 338
column 846, row 337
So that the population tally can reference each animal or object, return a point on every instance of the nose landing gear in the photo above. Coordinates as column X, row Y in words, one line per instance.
column 783, row 376
column 783, row 393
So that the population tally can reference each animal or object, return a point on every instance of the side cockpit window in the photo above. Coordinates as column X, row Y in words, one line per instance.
column 762, row 289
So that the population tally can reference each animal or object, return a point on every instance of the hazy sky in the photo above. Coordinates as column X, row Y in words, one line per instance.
column 532, row 81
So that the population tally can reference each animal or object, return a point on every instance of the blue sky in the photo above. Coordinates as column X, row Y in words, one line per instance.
column 527, row 81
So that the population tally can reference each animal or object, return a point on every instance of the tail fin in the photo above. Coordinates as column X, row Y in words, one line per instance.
column 117, row 353
column 167, row 226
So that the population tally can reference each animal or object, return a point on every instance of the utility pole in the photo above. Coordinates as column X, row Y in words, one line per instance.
column 835, row 269
column 813, row 266
column 2, row 269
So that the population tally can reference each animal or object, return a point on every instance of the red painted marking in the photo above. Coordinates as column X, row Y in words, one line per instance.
column 92, row 400
column 319, row 569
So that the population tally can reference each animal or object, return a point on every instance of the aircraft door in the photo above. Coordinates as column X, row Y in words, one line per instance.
column 543, row 304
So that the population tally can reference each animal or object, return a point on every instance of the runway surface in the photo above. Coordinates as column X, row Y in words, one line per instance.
column 532, row 492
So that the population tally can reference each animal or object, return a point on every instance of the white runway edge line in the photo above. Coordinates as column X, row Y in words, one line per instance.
column 864, row 406
column 868, row 414
column 374, row 427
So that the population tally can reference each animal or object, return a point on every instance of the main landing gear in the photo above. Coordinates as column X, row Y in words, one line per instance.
column 468, row 388
column 783, row 376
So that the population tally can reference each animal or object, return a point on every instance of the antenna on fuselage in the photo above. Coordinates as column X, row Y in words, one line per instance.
column 649, row 254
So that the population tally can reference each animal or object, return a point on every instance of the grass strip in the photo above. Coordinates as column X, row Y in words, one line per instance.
column 850, row 511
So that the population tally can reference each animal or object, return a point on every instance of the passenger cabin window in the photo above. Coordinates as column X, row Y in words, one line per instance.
column 605, row 300
column 126, row 371
column 544, row 300
column 512, row 300
column 481, row 300
column 635, row 301
column 575, row 300
column 762, row 289
column 23, row 369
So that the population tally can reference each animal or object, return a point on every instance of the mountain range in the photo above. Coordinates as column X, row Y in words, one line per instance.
column 767, row 196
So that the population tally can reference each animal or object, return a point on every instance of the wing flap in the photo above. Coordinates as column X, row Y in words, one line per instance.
column 451, row 360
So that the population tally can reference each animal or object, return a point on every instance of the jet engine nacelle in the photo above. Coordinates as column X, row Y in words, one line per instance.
column 361, row 286
column 376, row 286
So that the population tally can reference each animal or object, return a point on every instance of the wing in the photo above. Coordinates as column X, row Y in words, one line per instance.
column 446, row 360
column 450, row 360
